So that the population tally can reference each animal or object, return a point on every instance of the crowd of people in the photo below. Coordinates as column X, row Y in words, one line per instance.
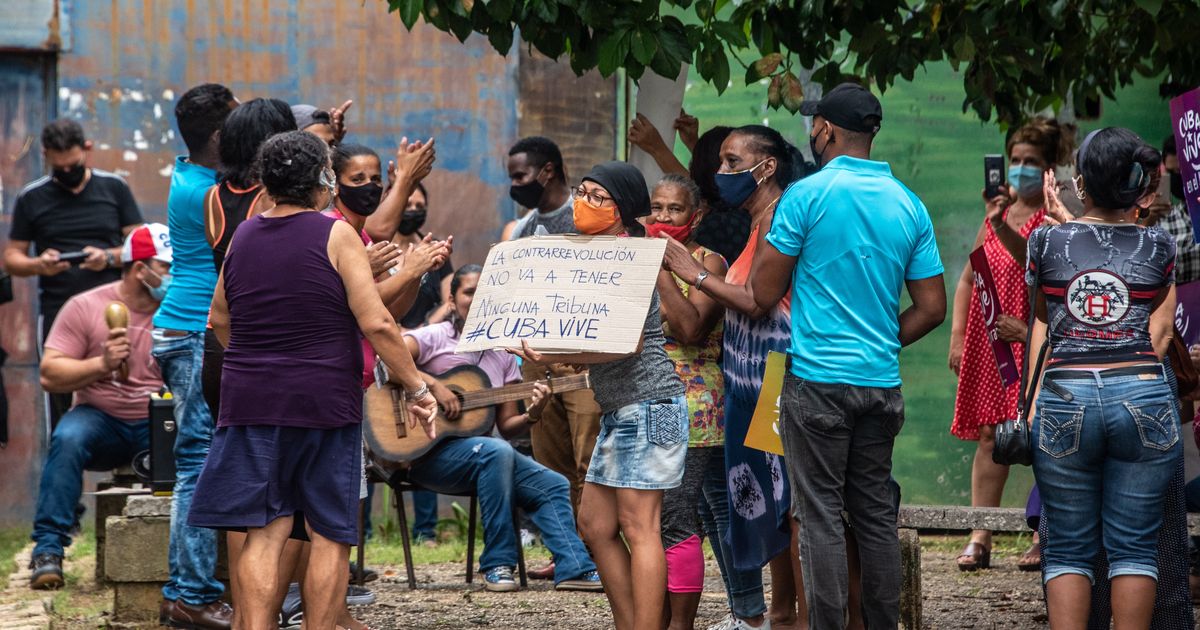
column 293, row 274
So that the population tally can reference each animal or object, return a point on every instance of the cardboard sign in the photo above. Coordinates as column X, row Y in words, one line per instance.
column 763, row 434
column 564, row 294
column 1185, row 120
column 989, row 306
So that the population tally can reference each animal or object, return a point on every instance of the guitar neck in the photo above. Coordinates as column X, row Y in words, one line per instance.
column 521, row 391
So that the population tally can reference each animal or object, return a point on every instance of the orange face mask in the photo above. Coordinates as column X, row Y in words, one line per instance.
column 591, row 219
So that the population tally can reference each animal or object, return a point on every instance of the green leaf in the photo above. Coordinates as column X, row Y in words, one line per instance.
column 763, row 67
column 735, row 34
column 1150, row 6
column 664, row 64
column 409, row 11
column 964, row 48
column 775, row 92
column 613, row 51
column 720, row 69
column 501, row 38
column 643, row 45
column 499, row 10
column 548, row 10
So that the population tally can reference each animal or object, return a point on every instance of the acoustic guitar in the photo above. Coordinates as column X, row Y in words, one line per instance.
column 393, row 444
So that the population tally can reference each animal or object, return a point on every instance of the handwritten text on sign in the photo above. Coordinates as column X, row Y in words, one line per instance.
column 564, row 294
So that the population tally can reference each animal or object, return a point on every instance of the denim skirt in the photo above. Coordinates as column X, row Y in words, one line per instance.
column 642, row 445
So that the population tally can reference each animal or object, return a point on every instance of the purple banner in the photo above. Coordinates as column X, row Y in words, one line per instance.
column 1187, row 312
column 1185, row 119
column 989, row 305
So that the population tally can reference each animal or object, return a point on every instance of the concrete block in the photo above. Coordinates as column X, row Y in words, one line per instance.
column 910, row 580
column 136, row 601
column 106, row 506
column 146, row 505
column 137, row 549
column 957, row 518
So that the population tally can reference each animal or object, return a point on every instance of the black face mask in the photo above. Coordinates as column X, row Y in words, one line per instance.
column 71, row 176
column 361, row 200
column 812, row 144
column 411, row 221
column 528, row 195
column 1176, row 184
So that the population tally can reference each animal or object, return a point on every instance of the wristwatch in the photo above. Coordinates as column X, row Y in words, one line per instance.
column 109, row 259
column 700, row 278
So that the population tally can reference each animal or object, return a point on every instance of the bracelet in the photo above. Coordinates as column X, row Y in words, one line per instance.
column 421, row 392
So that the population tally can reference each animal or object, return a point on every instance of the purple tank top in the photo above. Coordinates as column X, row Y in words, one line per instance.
column 294, row 356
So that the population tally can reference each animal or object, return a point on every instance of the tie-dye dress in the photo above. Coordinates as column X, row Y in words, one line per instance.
column 759, row 494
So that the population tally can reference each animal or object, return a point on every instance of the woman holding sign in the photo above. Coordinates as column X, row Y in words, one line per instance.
column 643, row 430
column 985, row 398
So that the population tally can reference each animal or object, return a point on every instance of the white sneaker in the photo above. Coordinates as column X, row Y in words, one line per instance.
column 733, row 623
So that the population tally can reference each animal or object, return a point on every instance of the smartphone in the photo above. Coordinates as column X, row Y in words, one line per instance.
column 75, row 258
column 993, row 175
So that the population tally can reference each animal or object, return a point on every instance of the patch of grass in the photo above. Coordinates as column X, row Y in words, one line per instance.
column 1002, row 544
column 390, row 551
column 12, row 539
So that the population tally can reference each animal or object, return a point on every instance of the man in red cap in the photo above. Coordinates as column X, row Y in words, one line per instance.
column 111, row 373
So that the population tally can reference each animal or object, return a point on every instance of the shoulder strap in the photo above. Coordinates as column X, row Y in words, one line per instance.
column 1023, row 394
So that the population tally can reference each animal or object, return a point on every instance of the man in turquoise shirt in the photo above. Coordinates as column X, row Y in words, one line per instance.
column 191, row 597
column 847, row 240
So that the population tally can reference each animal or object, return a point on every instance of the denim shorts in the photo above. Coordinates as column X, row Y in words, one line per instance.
column 1105, row 447
column 642, row 445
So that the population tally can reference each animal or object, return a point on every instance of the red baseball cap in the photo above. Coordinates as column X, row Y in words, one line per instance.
column 147, row 241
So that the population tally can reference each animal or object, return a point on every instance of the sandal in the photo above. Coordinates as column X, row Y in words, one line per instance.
column 974, row 557
column 1031, row 560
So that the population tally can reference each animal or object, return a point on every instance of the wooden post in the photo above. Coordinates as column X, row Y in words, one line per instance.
column 910, row 585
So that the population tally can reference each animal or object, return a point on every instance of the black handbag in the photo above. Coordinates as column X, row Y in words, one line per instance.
column 1014, row 437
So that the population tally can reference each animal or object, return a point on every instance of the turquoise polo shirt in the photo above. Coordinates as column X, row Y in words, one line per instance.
column 194, row 278
column 858, row 235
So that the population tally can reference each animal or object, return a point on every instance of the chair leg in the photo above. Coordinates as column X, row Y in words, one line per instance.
column 362, row 541
column 520, row 550
column 398, row 499
column 471, row 540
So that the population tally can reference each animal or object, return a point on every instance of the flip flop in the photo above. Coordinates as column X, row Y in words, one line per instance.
column 974, row 557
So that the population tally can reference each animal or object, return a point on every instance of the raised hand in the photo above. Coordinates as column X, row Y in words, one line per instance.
column 688, row 127
column 1056, row 212
column 414, row 160
column 337, row 119
column 643, row 135
column 383, row 256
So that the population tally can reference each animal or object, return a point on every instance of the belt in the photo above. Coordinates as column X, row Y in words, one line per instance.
column 167, row 332
column 1063, row 374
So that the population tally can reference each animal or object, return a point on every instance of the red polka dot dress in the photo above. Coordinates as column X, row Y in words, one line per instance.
column 981, row 398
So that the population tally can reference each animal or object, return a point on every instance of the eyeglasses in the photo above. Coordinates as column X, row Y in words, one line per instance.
column 596, row 199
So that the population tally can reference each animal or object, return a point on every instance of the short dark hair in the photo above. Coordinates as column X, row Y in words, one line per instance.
column 344, row 152
column 540, row 151
column 200, row 112
column 770, row 142
column 424, row 193
column 244, row 130
column 706, row 161
column 290, row 165
column 1117, row 167
column 62, row 135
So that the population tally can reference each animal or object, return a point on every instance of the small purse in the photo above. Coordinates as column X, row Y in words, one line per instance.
column 1181, row 362
column 1014, row 437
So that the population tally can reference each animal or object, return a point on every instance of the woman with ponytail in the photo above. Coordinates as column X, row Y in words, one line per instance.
column 1106, row 426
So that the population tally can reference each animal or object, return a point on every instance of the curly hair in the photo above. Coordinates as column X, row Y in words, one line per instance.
column 290, row 165
column 687, row 185
column 1053, row 140
column 1117, row 167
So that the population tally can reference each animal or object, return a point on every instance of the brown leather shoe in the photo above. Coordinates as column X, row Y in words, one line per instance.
column 164, row 611
column 212, row 616
column 544, row 573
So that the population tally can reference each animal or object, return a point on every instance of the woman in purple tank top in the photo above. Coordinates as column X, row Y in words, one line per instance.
column 291, row 300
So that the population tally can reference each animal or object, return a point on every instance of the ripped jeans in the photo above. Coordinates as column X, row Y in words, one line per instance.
column 1105, row 446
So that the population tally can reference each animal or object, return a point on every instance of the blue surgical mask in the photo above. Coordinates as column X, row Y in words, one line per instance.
column 1025, row 178
column 159, row 292
column 736, row 188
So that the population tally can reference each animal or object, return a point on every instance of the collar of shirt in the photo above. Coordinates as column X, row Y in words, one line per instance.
column 858, row 165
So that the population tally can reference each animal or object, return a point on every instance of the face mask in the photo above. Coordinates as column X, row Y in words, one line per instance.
column 681, row 233
column 71, row 176
column 817, row 155
column 159, row 292
column 591, row 219
column 1026, row 179
column 361, row 200
column 527, row 195
column 1176, row 184
column 411, row 221
column 736, row 188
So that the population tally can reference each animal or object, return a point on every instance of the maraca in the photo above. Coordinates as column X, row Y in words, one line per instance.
column 117, row 316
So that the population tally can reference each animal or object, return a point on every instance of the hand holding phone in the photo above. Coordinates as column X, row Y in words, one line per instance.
column 993, row 176
column 75, row 258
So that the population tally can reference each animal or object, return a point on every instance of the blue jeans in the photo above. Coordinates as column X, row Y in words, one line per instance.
column 1105, row 446
column 499, row 476
column 425, row 505
column 85, row 439
column 743, row 588
column 192, row 555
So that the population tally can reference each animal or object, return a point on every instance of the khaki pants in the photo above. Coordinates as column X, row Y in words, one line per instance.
column 566, row 435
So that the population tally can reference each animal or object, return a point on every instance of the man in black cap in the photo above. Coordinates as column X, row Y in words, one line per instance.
column 845, row 241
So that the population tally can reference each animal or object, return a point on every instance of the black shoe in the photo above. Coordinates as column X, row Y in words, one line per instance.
column 47, row 572
column 369, row 574
column 359, row 596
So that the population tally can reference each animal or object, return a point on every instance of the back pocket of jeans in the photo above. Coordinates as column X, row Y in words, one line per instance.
column 1059, row 429
column 666, row 423
column 1156, row 424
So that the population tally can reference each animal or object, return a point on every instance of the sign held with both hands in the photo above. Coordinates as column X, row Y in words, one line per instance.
column 564, row 294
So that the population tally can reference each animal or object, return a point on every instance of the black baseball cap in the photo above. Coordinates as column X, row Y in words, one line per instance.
column 849, row 106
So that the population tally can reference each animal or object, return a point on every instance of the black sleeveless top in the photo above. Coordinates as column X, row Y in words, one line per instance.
column 233, row 207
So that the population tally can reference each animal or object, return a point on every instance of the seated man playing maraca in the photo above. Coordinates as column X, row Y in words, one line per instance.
column 99, row 349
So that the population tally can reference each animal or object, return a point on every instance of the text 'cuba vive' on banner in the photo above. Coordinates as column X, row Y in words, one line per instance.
column 564, row 294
